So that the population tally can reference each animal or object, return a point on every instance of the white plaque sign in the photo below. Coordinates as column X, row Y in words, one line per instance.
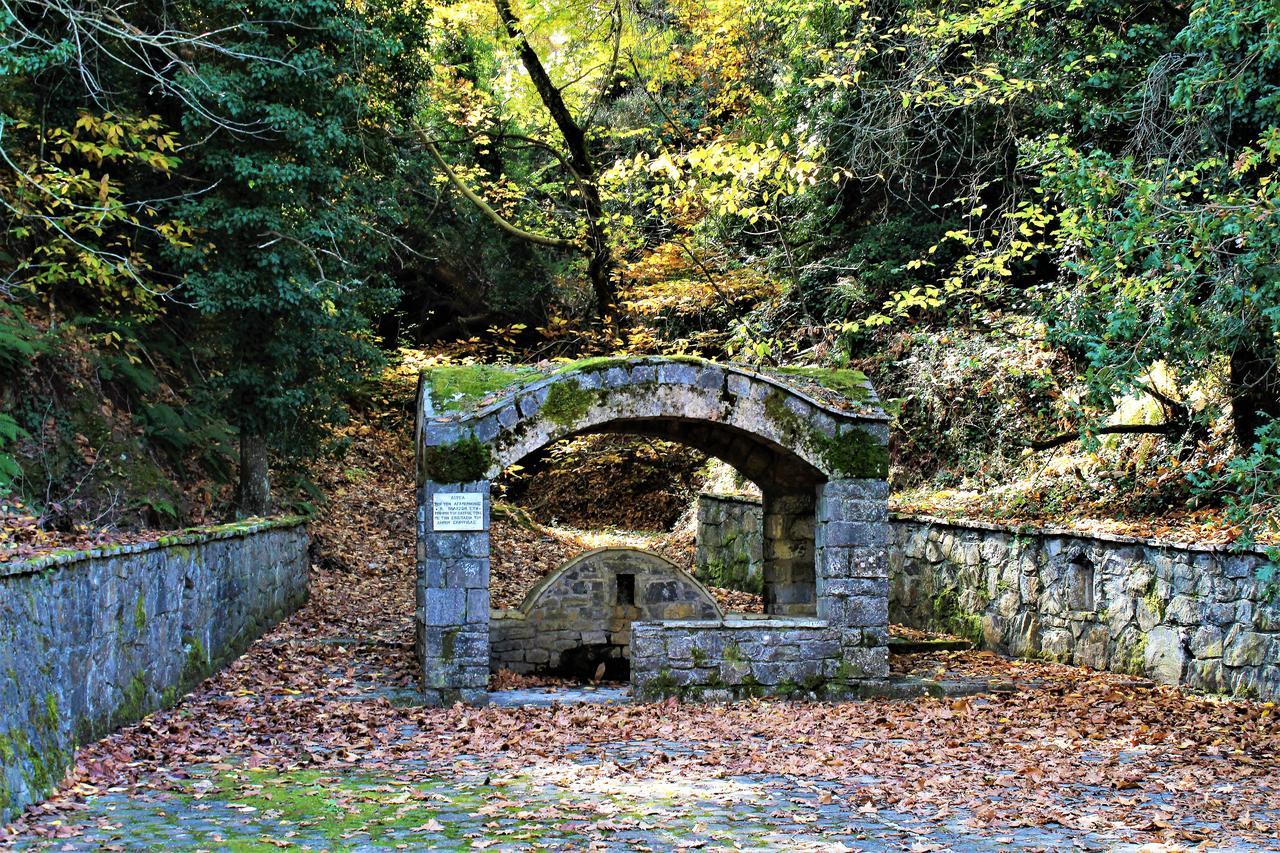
column 451, row 511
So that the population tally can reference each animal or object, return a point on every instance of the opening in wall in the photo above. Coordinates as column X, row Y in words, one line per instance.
column 626, row 589
column 1080, row 583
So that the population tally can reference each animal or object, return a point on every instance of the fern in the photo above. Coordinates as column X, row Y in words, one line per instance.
column 10, row 470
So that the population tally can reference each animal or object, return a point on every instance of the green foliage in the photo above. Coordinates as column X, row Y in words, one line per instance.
column 10, row 432
column 287, row 261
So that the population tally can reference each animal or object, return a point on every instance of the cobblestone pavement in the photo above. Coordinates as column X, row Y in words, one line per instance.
column 585, row 801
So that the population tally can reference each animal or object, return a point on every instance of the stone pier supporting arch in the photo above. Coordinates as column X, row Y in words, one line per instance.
column 815, row 442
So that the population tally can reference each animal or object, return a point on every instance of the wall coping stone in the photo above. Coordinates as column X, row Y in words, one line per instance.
column 731, row 498
column 741, row 620
column 1049, row 530
column 190, row 536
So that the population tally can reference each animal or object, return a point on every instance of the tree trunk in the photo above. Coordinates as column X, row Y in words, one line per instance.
column 601, row 263
column 255, row 474
column 1255, row 390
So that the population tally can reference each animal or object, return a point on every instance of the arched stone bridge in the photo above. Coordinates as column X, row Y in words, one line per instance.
column 813, row 440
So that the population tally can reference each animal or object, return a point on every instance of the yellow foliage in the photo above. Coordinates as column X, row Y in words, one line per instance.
column 671, row 281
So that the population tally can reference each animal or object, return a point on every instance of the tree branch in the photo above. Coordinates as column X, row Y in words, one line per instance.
column 1118, row 429
column 483, row 206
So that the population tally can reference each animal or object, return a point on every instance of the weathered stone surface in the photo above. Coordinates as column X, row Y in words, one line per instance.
column 581, row 604
column 94, row 640
column 713, row 660
column 1178, row 614
column 1166, row 655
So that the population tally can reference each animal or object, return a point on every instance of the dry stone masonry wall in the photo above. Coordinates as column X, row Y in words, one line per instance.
column 93, row 640
column 1182, row 615
column 747, row 656
column 580, row 615
column 730, row 550
column 814, row 442
column 1195, row 616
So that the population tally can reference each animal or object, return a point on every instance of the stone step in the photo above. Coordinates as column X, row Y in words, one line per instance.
column 913, row 647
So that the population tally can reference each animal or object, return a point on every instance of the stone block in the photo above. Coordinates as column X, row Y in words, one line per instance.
column 679, row 646
column 1165, row 656
column 677, row 374
column 1207, row 675
column 1247, row 648
column 443, row 606
column 860, row 611
column 478, row 606
column 644, row 374
column 465, row 573
column 1206, row 642
column 710, row 379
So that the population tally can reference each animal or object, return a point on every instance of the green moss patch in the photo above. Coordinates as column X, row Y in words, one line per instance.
column 848, row 383
column 567, row 403
column 464, row 461
column 853, row 453
column 595, row 363
column 733, row 573
column 456, row 388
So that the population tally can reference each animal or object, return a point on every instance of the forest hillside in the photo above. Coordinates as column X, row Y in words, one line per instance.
column 1045, row 229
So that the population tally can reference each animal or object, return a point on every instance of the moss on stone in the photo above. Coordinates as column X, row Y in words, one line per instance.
column 595, row 363
column 140, row 613
column 341, row 807
column 464, row 461
column 1155, row 604
column 1135, row 662
column 567, row 403
column 853, row 453
column 133, row 704
column 194, row 669
column 950, row 616
column 661, row 686
column 732, row 574
column 845, row 673
column 848, row 383
column 456, row 388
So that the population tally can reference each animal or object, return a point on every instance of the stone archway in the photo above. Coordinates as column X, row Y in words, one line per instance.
column 814, row 441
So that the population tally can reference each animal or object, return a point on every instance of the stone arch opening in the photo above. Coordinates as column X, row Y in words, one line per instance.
column 814, row 441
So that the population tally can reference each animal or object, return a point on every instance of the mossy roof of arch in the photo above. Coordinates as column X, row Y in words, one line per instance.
column 460, row 389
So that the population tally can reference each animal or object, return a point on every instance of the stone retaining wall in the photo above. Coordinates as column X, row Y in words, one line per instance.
column 739, row 657
column 730, row 550
column 1195, row 616
column 1178, row 613
column 90, row 641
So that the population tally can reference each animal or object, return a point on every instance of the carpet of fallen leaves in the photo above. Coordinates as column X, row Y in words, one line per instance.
column 1202, row 526
column 1075, row 749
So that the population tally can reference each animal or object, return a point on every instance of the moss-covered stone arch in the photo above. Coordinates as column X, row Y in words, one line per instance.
column 801, row 434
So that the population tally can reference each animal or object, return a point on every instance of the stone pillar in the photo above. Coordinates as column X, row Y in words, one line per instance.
column 453, row 598
column 788, row 555
column 851, row 539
